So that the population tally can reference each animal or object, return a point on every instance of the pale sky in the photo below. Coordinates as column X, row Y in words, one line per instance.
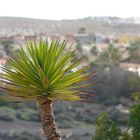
column 69, row 9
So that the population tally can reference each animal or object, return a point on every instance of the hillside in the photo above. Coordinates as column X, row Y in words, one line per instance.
column 12, row 26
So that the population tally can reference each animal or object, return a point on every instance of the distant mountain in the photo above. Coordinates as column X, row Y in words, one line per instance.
column 26, row 26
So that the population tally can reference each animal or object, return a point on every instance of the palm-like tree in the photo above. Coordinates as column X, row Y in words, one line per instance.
column 43, row 72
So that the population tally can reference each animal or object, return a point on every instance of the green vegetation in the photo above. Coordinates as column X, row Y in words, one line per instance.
column 82, row 30
column 28, row 114
column 136, row 96
column 110, row 56
column 106, row 129
column 134, row 121
column 7, row 114
column 11, row 114
column 8, row 46
column 134, row 52
column 46, row 70
column 114, row 84
column 27, row 136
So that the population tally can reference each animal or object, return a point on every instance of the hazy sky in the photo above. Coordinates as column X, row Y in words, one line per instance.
column 69, row 9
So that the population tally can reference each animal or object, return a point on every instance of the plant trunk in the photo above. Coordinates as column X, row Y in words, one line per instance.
column 47, row 119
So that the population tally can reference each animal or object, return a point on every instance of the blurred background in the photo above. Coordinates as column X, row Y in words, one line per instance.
column 106, row 33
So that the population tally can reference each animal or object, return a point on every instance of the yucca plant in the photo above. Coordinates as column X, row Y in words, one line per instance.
column 43, row 72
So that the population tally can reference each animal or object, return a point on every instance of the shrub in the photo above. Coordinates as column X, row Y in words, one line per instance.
column 28, row 114
column 19, row 136
column 28, row 136
column 7, row 114
column 106, row 129
column 134, row 121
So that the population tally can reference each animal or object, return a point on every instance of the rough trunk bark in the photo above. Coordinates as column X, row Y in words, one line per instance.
column 47, row 119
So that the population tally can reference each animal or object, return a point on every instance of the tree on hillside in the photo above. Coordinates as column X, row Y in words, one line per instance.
column 134, row 52
column 115, row 84
column 110, row 56
column 94, row 50
column 43, row 72
column 106, row 129
column 7, row 46
column 82, row 30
